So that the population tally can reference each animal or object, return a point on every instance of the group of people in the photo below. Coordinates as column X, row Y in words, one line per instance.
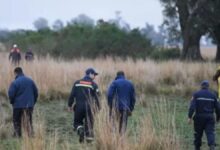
column 83, row 101
column 15, row 55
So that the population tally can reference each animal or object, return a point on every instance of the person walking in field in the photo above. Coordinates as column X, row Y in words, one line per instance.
column 23, row 94
column 29, row 56
column 15, row 55
column 85, row 95
column 203, row 104
column 216, row 78
column 121, row 100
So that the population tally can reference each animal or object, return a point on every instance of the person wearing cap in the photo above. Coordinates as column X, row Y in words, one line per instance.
column 202, row 107
column 121, row 100
column 216, row 78
column 23, row 94
column 85, row 94
column 15, row 55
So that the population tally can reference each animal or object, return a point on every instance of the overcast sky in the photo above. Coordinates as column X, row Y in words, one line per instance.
column 16, row 14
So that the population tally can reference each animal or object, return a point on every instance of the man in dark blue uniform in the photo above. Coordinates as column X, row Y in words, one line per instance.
column 204, row 103
column 23, row 95
column 85, row 94
column 121, row 99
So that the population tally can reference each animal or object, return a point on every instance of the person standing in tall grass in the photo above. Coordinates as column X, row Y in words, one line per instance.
column 15, row 55
column 85, row 94
column 216, row 78
column 203, row 104
column 23, row 94
column 121, row 100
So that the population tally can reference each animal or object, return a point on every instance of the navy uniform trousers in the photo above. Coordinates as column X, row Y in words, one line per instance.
column 204, row 123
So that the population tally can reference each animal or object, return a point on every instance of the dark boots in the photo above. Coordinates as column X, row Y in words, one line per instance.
column 80, row 132
column 197, row 148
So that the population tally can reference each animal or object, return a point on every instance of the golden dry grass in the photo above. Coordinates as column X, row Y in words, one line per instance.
column 155, row 131
column 208, row 53
column 54, row 78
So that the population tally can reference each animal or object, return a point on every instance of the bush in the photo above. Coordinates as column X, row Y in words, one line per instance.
column 74, row 40
column 165, row 54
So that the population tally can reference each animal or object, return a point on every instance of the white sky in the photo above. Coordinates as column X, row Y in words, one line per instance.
column 16, row 14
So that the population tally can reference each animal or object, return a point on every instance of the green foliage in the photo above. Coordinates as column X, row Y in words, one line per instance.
column 82, row 40
column 166, row 54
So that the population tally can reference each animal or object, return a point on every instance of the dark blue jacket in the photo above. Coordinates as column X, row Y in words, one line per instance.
column 83, row 92
column 121, row 93
column 23, row 92
column 204, row 102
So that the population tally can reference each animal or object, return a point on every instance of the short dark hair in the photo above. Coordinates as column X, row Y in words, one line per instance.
column 120, row 73
column 18, row 70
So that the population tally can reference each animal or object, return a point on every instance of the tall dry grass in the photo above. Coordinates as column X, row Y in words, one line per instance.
column 155, row 130
column 41, row 139
column 55, row 77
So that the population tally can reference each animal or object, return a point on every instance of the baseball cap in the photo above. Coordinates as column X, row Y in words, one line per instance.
column 205, row 83
column 91, row 71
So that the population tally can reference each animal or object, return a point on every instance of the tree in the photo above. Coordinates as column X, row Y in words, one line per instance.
column 156, row 37
column 41, row 24
column 58, row 25
column 211, row 19
column 188, row 12
column 83, row 19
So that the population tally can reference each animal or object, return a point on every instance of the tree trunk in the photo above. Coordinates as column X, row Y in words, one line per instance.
column 217, row 58
column 191, row 44
column 217, row 40
column 191, row 32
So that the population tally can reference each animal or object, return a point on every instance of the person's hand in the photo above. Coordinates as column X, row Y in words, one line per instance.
column 189, row 120
column 70, row 109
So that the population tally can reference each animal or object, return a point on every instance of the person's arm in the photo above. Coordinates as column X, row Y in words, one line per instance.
column 72, row 97
column 12, row 92
column 35, row 92
column 111, row 94
column 192, row 108
column 133, row 98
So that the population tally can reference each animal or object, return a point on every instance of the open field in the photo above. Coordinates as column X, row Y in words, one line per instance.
column 159, row 121
column 55, row 77
column 208, row 53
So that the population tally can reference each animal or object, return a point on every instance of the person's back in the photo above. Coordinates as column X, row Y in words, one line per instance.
column 122, row 92
column 205, row 102
column 23, row 95
column 85, row 93
column 23, row 92
column 121, row 100
column 29, row 56
column 15, row 55
column 202, row 107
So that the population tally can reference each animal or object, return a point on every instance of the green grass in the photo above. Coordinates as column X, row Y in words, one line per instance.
column 56, row 118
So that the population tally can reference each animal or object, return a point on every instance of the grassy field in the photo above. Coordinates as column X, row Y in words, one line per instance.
column 53, row 127
column 159, row 121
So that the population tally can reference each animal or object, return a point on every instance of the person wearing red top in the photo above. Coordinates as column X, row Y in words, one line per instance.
column 15, row 55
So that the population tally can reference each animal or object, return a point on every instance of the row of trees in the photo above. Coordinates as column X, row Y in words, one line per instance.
column 79, row 39
column 190, row 20
column 83, row 37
